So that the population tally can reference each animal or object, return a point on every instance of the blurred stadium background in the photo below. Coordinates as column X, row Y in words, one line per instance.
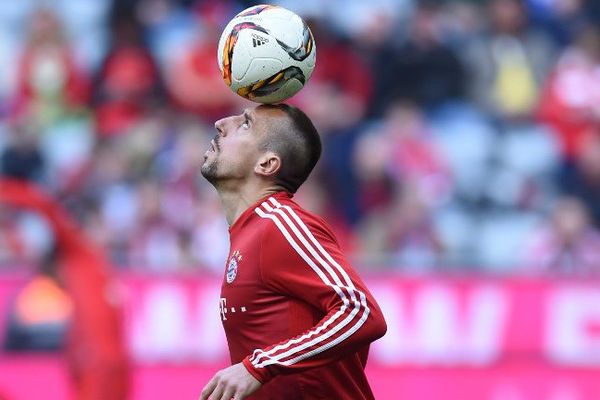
column 461, row 171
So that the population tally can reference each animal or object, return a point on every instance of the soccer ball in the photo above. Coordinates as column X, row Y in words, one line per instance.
column 266, row 54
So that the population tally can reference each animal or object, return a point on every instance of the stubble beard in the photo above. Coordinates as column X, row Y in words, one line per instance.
column 209, row 172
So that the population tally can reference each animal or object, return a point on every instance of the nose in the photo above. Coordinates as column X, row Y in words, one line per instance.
column 219, row 126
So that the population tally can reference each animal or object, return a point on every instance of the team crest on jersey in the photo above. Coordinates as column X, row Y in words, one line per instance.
column 232, row 266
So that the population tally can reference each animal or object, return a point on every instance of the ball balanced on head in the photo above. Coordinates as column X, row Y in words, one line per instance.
column 266, row 54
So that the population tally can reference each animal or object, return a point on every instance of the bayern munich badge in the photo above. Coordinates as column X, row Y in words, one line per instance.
column 232, row 266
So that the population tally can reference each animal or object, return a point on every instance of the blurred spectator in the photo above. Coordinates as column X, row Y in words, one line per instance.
column 582, row 178
column 49, row 79
column 95, row 349
column 374, row 182
column 109, row 185
column 508, row 62
column 21, row 157
column 378, row 46
column 405, row 155
column 593, row 9
column 155, row 242
column 560, row 18
column 341, row 81
column 568, row 244
column 399, row 188
column 41, row 313
column 423, row 70
column 402, row 234
column 571, row 101
column 128, row 85
column 193, row 78
column 358, row 16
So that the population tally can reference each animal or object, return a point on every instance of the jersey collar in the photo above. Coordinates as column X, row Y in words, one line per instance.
column 249, row 212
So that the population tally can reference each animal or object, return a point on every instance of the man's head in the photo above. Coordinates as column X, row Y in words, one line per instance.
column 275, row 143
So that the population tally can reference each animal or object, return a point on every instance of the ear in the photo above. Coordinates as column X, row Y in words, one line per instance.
column 268, row 164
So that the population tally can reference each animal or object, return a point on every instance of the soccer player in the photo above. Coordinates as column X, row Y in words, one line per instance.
column 95, row 348
column 297, row 317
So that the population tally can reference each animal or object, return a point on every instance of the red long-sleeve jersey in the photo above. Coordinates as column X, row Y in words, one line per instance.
column 294, row 311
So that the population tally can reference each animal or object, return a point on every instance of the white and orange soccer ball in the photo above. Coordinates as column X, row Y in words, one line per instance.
column 266, row 54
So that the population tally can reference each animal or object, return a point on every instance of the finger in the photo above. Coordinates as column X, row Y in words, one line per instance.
column 228, row 393
column 240, row 394
column 217, row 392
column 208, row 389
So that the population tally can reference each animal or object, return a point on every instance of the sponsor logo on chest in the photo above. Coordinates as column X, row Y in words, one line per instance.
column 224, row 310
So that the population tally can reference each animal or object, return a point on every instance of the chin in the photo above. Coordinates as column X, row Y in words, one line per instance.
column 209, row 171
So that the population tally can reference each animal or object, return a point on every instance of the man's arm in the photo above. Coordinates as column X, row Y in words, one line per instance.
column 306, row 263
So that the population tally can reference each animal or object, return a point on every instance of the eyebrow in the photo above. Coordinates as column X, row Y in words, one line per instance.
column 248, row 116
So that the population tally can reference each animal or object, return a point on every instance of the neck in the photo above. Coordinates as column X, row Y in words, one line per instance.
column 235, row 202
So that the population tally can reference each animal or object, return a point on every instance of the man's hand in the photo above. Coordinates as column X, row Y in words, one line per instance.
column 233, row 382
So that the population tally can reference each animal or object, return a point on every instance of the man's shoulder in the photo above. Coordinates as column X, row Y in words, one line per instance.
column 285, row 209
column 284, row 216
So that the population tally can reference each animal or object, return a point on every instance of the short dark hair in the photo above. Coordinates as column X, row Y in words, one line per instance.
column 297, row 143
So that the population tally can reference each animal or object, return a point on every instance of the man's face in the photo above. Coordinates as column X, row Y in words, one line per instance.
column 234, row 151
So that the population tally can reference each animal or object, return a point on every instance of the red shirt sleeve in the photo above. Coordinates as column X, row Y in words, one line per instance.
column 303, row 261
